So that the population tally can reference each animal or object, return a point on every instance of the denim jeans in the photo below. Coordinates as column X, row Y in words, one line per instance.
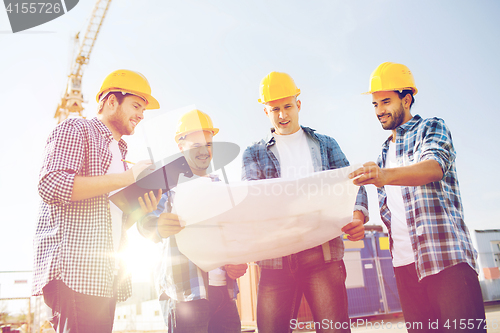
column 323, row 284
column 78, row 313
column 450, row 301
column 217, row 314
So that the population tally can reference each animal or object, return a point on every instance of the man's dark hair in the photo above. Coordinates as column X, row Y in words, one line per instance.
column 119, row 97
column 403, row 93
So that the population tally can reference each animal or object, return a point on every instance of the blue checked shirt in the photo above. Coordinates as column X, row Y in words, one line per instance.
column 177, row 276
column 434, row 213
column 260, row 162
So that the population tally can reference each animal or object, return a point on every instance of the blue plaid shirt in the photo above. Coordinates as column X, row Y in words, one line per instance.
column 434, row 211
column 177, row 276
column 259, row 162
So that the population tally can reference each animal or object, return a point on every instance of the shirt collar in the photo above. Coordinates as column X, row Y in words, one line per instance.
column 409, row 125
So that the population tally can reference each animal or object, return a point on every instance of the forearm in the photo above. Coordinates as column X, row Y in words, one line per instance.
column 89, row 187
column 418, row 174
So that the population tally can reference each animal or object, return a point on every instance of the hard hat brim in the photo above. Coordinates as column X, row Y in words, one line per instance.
column 211, row 129
column 152, row 102
column 415, row 90
column 275, row 99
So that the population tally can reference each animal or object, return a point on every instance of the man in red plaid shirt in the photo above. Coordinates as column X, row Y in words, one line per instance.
column 79, row 231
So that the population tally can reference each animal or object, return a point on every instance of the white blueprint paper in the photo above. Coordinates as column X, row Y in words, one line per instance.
column 250, row 221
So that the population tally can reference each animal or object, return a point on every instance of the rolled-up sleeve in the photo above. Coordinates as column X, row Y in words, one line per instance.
column 63, row 159
column 437, row 144
column 362, row 203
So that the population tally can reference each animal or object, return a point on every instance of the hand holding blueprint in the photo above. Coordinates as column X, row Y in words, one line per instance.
column 263, row 219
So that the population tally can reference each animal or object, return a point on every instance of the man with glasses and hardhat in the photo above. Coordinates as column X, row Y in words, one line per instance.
column 79, row 231
column 291, row 151
column 192, row 301
column 419, row 198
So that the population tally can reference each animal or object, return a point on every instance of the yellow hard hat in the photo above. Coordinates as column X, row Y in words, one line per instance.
column 390, row 76
column 130, row 82
column 194, row 121
column 276, row 85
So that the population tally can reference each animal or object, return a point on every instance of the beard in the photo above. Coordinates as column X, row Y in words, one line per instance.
column 396, row 119
column 120, row 122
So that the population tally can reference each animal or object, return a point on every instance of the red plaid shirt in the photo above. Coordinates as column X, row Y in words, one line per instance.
column 73, row 240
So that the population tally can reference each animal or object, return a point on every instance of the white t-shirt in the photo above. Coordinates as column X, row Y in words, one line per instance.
column 402, row 252
column 217, row 277
column 116, row 166
column 294, row 155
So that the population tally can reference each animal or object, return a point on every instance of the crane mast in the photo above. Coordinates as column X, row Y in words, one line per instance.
column 71, row 102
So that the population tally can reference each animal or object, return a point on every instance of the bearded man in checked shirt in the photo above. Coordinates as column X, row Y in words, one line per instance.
column 420, row 203
column 79, row 231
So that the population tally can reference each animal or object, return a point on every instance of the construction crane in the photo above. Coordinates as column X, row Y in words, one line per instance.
column 71, row 102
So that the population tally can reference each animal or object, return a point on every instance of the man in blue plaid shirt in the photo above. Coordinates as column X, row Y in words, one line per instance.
column 420, row 204
column 292, row 151
column 192, row 301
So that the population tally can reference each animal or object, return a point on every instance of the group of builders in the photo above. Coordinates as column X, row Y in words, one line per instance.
column 80, row 232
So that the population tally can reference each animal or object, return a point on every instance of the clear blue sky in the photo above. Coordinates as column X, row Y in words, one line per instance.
column 214, row 53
